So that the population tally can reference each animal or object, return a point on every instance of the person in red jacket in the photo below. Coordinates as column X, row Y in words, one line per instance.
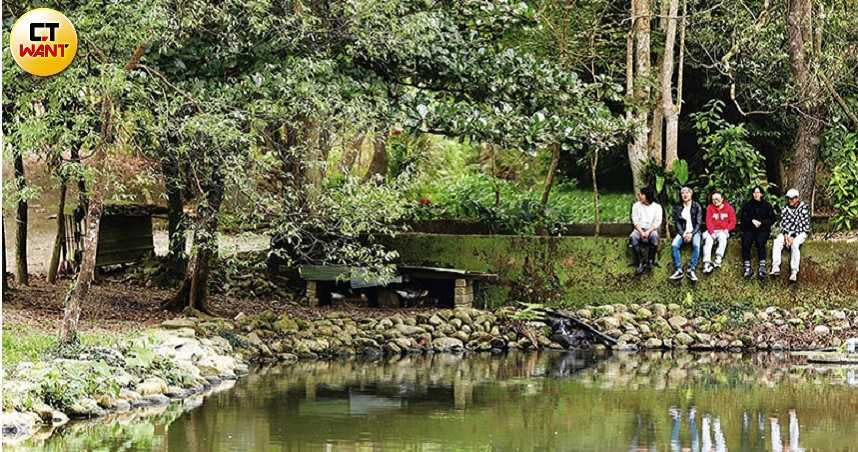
column 720, row 220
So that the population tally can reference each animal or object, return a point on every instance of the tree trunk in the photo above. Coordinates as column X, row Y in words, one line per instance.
column 21, row 222
column 641, row 11
column 549, row 179
column 350, row 153
column 378, row 164
column 61, row 233
column 193, row 292
column 173, row 185
column 5, row 279
column 315, row 160
column 669, row 110
column 596, row 202
column 802, row 169
column 74, row 301
column 82, row 198
column 657, row 124
column 86, row 273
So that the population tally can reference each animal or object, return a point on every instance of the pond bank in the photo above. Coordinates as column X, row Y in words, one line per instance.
column 577, row 271
column 185, row 357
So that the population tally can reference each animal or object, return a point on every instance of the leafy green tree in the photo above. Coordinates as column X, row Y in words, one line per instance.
column 732, row 165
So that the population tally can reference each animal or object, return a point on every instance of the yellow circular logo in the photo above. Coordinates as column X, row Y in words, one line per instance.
column 43, row 42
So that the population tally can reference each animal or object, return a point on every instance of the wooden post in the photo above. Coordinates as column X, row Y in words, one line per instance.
column 463, row 293
column 312, row 298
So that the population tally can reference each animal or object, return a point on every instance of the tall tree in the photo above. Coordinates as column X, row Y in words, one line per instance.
column 655, row 113
column 804, row 46
column 21, row 222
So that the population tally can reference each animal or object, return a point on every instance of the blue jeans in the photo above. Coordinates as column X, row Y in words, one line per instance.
column 695, row 250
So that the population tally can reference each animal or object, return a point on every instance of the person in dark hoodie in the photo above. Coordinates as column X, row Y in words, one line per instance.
column 687, row 219
column 756, row 218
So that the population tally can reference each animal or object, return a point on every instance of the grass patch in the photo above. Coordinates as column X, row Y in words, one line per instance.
column 578, row 207
column 22, row 343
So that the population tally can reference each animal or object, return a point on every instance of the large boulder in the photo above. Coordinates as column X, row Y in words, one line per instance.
column 17, row 424
column 217, row 365
column 447, row 344
column 178, row 323
column 85, row 407
column 285, row 325
column 677, row 322
column 684, row 339
column 408, row 330
column 653, row 343
column 152, row 386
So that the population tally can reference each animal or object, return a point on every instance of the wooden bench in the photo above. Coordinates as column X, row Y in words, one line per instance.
column 449, row 286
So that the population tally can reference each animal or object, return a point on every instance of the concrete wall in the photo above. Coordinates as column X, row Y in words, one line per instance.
column 575, row 271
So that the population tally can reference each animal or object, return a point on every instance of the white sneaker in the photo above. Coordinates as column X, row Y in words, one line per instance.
column 707, row 268
column 793, row 277
column 717, row 262
column 775, row 271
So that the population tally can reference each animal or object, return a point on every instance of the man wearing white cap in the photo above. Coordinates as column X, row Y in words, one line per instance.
column 795, row 226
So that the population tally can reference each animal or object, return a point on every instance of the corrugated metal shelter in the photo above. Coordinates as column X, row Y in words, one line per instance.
column 125, row 234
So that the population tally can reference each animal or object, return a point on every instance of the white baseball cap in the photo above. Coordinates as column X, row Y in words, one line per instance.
column 792, row 193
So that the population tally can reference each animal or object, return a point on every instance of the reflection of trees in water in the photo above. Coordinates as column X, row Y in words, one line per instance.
column 523, row 401
column 706, row 434
column 666, row 369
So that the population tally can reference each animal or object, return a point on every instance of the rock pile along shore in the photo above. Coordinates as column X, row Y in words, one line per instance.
column 189, row 356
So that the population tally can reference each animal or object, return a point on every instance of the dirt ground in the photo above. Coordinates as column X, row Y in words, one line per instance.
column 112, row 305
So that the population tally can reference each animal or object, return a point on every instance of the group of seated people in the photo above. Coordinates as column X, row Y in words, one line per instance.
column 693, row 226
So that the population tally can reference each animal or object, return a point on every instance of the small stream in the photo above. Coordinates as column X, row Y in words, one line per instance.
column 514, row 402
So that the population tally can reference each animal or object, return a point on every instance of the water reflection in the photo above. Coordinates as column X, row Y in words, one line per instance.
column 706, row 434
column 549, row 401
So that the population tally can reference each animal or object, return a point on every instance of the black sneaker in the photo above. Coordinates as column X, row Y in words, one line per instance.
column 761, row 273
column 748, row 272
column 692, row 276
column 639, row 268
column 678, row 274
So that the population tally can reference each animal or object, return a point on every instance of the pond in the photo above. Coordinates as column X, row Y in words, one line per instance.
column 527, row 402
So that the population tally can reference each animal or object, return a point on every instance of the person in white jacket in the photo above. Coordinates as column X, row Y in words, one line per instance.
column 646, row 219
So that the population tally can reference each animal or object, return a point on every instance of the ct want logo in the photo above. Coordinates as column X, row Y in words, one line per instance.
column 43, row 42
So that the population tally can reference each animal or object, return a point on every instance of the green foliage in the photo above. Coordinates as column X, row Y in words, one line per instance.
column 843, row 185
column 66, row 383
column 528, row 312
column 22, row 343
column 666, row 183
column 507, row 207
column 733, row 166
column 141, row 359
column 343, row 225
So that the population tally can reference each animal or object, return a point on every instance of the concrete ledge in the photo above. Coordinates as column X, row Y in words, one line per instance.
column 575, row 271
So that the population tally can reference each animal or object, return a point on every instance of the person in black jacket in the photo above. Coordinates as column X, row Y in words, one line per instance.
column 687, row 219
column 756, row 218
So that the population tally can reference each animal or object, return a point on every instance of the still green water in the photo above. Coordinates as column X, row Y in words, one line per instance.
column 528, row 402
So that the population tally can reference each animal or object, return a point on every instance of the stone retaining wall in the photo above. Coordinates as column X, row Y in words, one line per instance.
column 576, row 271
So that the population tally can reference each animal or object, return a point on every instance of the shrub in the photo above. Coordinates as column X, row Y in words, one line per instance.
column 733, row 166
column 843, row 185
